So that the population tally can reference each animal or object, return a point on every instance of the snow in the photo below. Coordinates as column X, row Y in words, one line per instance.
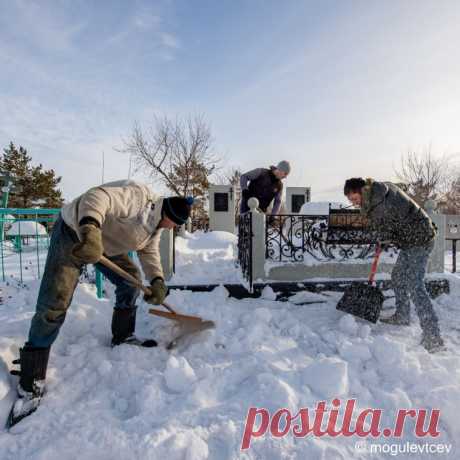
column 319, row 208
column 179, row 375
column 206, row 258
column 348, row 324
column 27, row 228
column 191, row 403
column 327, row 377
column 268, row 293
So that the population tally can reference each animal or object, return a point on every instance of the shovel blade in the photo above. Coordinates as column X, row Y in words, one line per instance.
column 188, row 330
column 175, row 316
column 363, row 301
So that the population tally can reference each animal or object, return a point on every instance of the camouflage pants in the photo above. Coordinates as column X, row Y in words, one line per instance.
column 60, row 279
column 409, row 284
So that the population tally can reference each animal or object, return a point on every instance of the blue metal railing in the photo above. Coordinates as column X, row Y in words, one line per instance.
column 24, row 243
column 24, row 240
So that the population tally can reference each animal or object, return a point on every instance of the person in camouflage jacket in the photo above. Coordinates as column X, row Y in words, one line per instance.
column 399, row 220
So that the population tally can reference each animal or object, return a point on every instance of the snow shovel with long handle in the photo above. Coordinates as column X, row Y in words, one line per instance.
column 364, row 300
column 187, row 324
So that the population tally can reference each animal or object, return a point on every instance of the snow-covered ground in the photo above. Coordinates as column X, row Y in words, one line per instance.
column 191, row 403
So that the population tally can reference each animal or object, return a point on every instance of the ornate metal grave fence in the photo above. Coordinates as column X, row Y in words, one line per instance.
column 304, row 238
column 245, row 235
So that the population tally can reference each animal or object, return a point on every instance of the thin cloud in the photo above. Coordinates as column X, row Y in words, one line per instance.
column 152, row 27
column 169, row 40
column 49, row 29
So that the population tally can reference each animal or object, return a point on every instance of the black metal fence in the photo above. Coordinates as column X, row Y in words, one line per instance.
column 304, row 238
column 245, row 246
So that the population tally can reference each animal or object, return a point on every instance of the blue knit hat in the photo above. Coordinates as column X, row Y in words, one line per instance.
column 177, row 208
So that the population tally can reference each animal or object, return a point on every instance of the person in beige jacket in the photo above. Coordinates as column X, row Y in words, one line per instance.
column 111, row 220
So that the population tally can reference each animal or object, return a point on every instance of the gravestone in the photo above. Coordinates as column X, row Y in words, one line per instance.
column 222, row 208
column 452, row 226
column 452, row 235
column 296, row 197
column 436, row 261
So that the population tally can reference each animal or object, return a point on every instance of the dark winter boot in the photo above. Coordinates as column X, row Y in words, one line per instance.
column 31, row 386
column 123, row 326
column 432, row 342
column 396, row 320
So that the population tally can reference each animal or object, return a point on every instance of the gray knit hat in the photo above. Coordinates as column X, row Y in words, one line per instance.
column 284, row 166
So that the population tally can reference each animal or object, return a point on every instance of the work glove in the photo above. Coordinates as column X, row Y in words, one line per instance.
column 89, row 250
column 158, row 292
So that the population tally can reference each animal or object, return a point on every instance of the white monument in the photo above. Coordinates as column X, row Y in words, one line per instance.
column 222, row 208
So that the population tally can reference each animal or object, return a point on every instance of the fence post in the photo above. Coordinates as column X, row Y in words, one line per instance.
column 167, row 252
column 454, row 256
column 258, row 239
column 99, row 284
column 436, row 261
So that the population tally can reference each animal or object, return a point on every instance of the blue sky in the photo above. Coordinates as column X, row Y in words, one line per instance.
column 339, row 88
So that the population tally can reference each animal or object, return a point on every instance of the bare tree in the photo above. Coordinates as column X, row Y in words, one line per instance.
column 449, row 202
column 231, row 176
column 179, row 152
column 423, row 176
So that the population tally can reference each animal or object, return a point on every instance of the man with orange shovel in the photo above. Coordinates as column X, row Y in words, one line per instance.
column 398, row 219
column 109, row 220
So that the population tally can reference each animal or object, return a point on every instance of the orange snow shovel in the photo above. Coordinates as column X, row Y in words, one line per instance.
column 187, row 324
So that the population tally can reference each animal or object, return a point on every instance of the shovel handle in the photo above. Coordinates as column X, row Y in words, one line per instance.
column 375, row 263
column 128, row 277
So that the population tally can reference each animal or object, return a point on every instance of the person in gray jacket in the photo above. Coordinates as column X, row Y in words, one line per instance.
column 398, row 219
column 265, row 185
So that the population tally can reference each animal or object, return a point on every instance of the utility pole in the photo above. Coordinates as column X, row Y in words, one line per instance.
column 130, row 161
column 103, row 166
column 7, row 183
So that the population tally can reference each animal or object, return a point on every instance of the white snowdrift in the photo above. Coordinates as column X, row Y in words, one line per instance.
column 319, row 208
column 26, row 228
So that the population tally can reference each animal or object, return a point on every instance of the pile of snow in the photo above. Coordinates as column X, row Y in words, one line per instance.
column 191, row 403
column 27, row 228
column 210, row 240
column 206, row 258
column 319, row 208
column 179, row 375
column 8, row 218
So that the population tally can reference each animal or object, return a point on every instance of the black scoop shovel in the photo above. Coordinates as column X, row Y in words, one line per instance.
column 364, row 300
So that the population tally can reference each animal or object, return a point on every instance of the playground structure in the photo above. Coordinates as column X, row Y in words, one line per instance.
column 24, row 241
column 22, row 232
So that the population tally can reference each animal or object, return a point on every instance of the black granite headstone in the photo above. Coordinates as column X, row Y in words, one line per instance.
column 221, row 202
